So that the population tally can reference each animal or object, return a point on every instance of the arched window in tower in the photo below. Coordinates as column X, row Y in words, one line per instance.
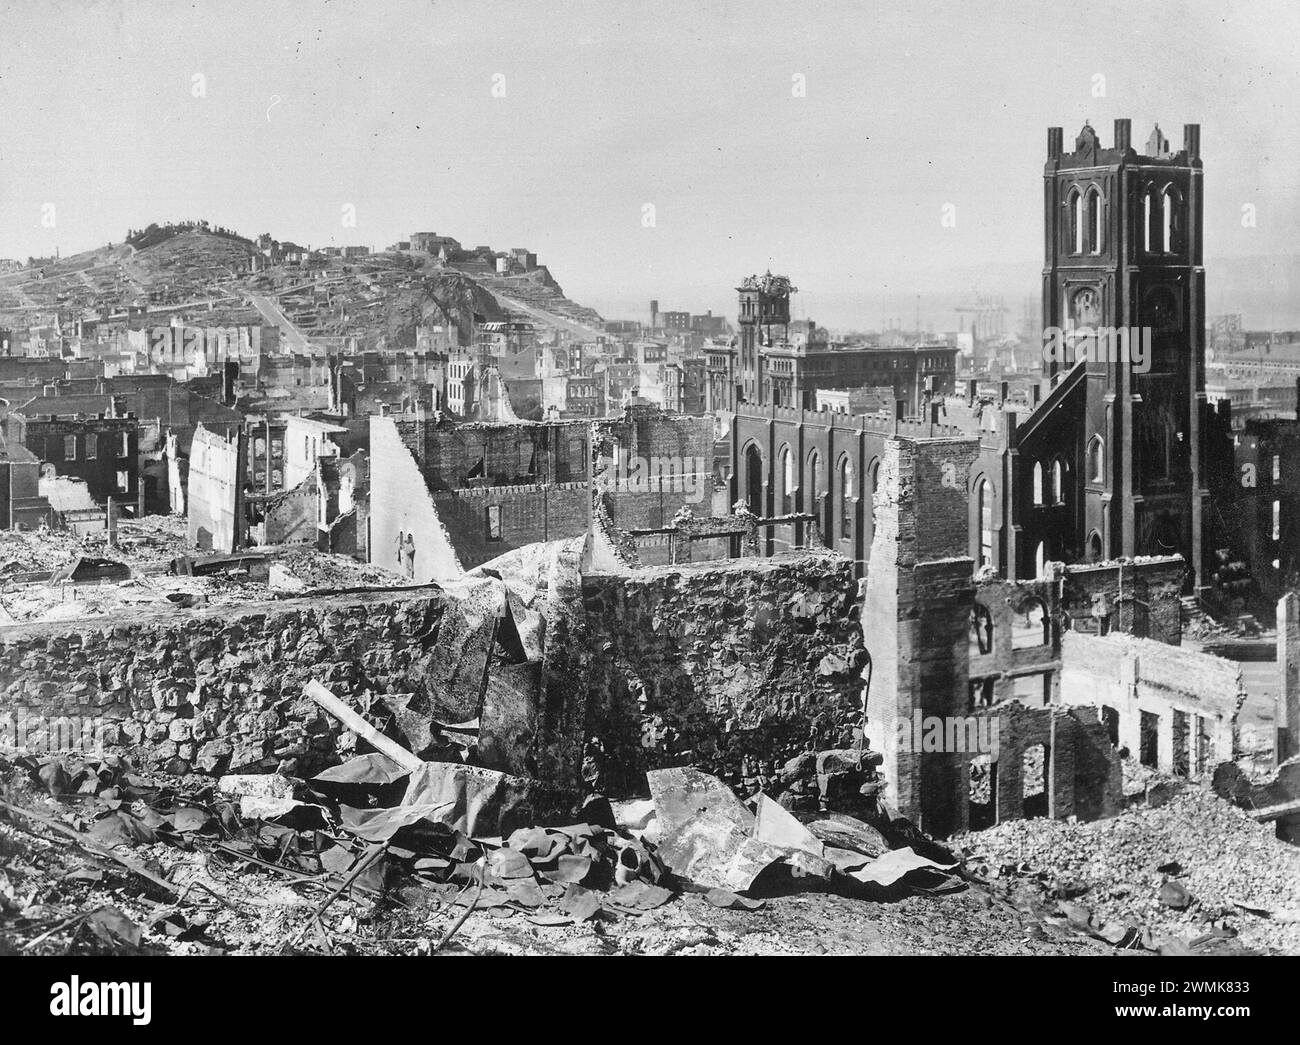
column 1038, row 483
column 1058, row 482
column 984, row 501
column 1076, row 222
column 1040, row 560
column 1149, row 214
column 1170, row 209
column 786, row 493
column 754, row 479
column 814, row 482
column 1096, row 460
column 1094, row 221
column 846, row 497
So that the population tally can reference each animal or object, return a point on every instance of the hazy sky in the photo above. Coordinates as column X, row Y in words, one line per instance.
column 267, row 116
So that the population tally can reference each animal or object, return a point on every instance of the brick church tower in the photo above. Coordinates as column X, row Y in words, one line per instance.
column 1125, row 285
column 763, row 320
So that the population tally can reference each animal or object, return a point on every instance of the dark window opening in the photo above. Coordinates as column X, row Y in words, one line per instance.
column 1030, row 626
column 979, row 694
column 1110, row 719
column 1035, row 764
column 1182, row 761
column 983, row 792
column 981, row 630
column 1149, row 739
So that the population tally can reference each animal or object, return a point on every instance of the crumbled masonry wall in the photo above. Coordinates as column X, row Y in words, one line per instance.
column 218, row 691
column 733, row 667
column 400, row 505
column 736, row 667
column 292, row 515
column 529, row 515
column 915, row 622
column 1017, row 651
column 1081, row 771
column 1141, row 596
column 1133, row 675
column 215, row 485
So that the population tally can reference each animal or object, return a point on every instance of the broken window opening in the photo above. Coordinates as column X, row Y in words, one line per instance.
column 1201, row 739
column 1182, row 737
column 1035, row 765
column 1032, row 690
column 979, row 694
column 983, row 804
column 1149, row 739
column 981, row 630
column 1110, row 719
column 1030, row 626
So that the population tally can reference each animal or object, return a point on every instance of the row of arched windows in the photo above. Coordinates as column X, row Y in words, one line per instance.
column 1057, row 482
column 1162, row 220
column 843, row 488
column 1087, row 221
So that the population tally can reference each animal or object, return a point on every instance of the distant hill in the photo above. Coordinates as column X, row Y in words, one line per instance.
column 212, row 275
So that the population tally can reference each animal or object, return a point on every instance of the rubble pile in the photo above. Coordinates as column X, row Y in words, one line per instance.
column 391, row 855
column 141, row 543
column 1193, row 868
column 307, row 571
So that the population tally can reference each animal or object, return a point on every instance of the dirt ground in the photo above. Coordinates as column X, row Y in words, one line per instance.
column 118, row 866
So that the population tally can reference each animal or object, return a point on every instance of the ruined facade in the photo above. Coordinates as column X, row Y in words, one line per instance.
column 453, row 496
column 215, row 491
column 990, row 698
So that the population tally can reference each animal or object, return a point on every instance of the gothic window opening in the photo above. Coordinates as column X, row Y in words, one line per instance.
column 1096, row 461
column 846, row 498
column 1094, row 222
column 984, row 496
column 1076, row 222
column 786, row 472
column 1170, row 209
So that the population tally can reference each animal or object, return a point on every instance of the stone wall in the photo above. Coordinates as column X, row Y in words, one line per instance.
column 216, row 690
column 734, row 667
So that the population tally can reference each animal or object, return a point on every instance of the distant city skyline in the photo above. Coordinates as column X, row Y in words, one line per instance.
column 829, row 149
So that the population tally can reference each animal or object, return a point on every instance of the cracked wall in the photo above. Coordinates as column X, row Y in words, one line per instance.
column 733, row 667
